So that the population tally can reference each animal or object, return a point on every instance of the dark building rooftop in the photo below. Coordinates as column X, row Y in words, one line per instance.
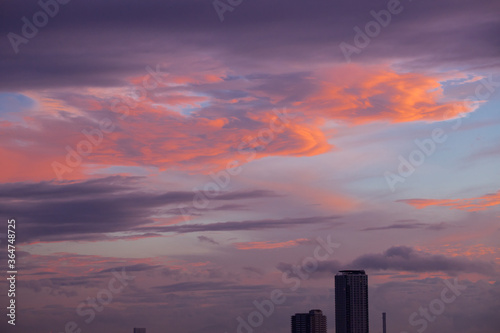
column 359, row 271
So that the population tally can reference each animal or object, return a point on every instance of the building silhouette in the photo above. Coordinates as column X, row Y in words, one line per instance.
column 139, row 330
column 312, row 322
column 351, row 302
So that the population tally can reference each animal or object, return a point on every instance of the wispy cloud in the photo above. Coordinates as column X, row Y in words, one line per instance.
column 269, row 245
column 470, row 204
column 245, row 225
column 58, row 211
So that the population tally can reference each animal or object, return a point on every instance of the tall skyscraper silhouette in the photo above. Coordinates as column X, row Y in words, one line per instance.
column 312, row 322
column 351, row 302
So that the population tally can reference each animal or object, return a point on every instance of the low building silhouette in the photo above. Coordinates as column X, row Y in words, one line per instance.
column 312, row 322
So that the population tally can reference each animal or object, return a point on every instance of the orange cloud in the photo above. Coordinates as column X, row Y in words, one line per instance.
column 470, row 205
column 151, row 135
column 460, row 249
column 28, row 163
column 269, row 245
column 169, row 140
column 171, row 127
column 359, row 95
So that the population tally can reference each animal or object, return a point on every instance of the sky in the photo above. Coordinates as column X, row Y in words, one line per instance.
column 209, row 166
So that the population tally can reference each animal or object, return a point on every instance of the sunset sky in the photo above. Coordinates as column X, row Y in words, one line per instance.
column 208, row 149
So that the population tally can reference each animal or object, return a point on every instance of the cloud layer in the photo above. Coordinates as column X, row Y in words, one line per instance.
column 471, row 204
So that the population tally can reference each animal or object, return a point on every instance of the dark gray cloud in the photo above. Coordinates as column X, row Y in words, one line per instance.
column 403, row 258
column 255, row 270
column 399, row 258
column 52, row 211
column 208, row 286
column 397, row 226
column 131, row 268
column 415, row 225
column 96, row 43
column 93, row 209
column 207, row 240
column 63, row 285
column 243, row 225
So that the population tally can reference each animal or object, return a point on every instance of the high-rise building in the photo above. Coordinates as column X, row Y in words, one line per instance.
column 312, row 322
column 139, row 330
column 351, row 302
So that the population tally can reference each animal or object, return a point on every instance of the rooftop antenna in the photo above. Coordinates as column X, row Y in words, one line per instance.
column 383, row 323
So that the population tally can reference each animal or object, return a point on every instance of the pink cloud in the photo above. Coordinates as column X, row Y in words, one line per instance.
column 471, row 204
column 357, row 94
column 153, row 131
